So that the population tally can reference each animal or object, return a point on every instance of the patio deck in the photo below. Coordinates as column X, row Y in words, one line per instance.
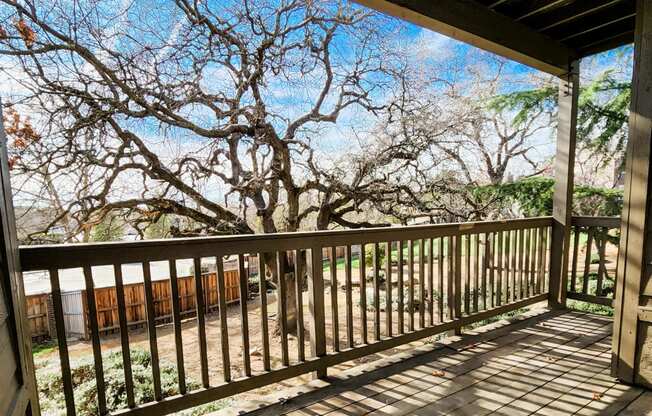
column 552, row 363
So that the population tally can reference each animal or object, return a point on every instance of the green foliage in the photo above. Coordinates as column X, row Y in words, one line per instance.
column 588, row 200
column 579, row 305
column 50, row 384
column 369, row 254
column 43, row 348
column 534, row 196
column 110, row 229
column 604, row 111
column 525, row 103
column 160, row 228
column 602, row 116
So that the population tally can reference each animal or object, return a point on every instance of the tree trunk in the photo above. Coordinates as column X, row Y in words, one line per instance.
column 287, row 272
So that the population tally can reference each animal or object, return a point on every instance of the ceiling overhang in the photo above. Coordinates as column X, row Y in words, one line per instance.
column 545, row 34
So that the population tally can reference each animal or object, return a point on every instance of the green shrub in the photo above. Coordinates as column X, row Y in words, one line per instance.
column 50, row 384
column 579, row 305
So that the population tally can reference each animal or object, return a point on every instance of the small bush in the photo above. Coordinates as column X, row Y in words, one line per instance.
column 579, row 305
column 50, row 384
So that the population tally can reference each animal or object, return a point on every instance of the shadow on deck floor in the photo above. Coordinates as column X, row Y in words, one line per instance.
column 553, row 363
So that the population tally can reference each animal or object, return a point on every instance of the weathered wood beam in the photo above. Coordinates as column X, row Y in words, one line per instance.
column 563, row 191
column 606, row 22
column 533, row 8
column 634, row 256
column 473, row 23
column 606, row 44
column 576, row 10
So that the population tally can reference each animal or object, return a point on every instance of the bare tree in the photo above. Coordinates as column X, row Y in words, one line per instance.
column 202, row 110
column 456, row 140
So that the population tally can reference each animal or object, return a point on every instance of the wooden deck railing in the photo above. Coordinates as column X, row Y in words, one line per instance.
column 593, row 259
column 435, row 279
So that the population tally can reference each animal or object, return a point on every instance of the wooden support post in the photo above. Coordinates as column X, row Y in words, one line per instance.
column 632, row 337
column 563, row 191
column 20, row 395
column 316, row 293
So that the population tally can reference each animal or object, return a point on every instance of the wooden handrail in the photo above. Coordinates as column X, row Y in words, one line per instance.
column 587, row 221
column 64, row 256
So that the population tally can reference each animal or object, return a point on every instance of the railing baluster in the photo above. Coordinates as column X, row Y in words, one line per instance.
column 546, row 262
column 376, row 285
column 533, row 260
column 151, row 330
column 476, row 270
column 507, row 288
column 262, row 288
column 411, row 285
column 521, row 265
column 491, row 257
column 95, row 338
column 513, row 261
column 440, row 277
column 528, row 238
column 601, row 242
column 201, row 320
column 282, row 300
column 544, row 249
column 334, row 307
column 298, row 282
column 485, row 267
column 224, row 329
column 576, row 244
column 500, row 269
column 363, row 293
column 467, row 276
column 243, row 279
column 541, row 245
column 457, row 242
column 124, row 334
column 176, row 317
column 431, row 281
column 399, row 288
column 450, row 278
column 388, row 288
column 349, row 300
column 422, row 283
column 62, row 342
column 318, row 322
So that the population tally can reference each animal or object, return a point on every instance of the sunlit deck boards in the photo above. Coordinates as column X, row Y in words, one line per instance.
column 554, row 364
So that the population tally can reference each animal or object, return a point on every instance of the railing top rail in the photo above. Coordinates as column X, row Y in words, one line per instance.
column 589, row 221
column 63, row 256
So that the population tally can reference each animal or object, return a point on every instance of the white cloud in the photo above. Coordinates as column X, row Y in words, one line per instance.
column 430, row 45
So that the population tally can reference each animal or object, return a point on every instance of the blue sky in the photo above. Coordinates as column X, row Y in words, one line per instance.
column 428, row 47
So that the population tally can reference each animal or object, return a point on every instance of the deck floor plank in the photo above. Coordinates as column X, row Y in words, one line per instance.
column 457, row 394
column 555, row 364
column 497, row 392
column 481, row 368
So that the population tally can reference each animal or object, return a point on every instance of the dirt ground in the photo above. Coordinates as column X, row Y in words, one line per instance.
column 167, row 353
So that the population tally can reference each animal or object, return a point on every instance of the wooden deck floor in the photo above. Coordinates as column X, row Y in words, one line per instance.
column 556, row 363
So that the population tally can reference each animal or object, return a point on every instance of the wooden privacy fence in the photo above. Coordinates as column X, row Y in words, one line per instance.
column 106, row 301
column 454, row 275
column 38, row 315
column 590, row 278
